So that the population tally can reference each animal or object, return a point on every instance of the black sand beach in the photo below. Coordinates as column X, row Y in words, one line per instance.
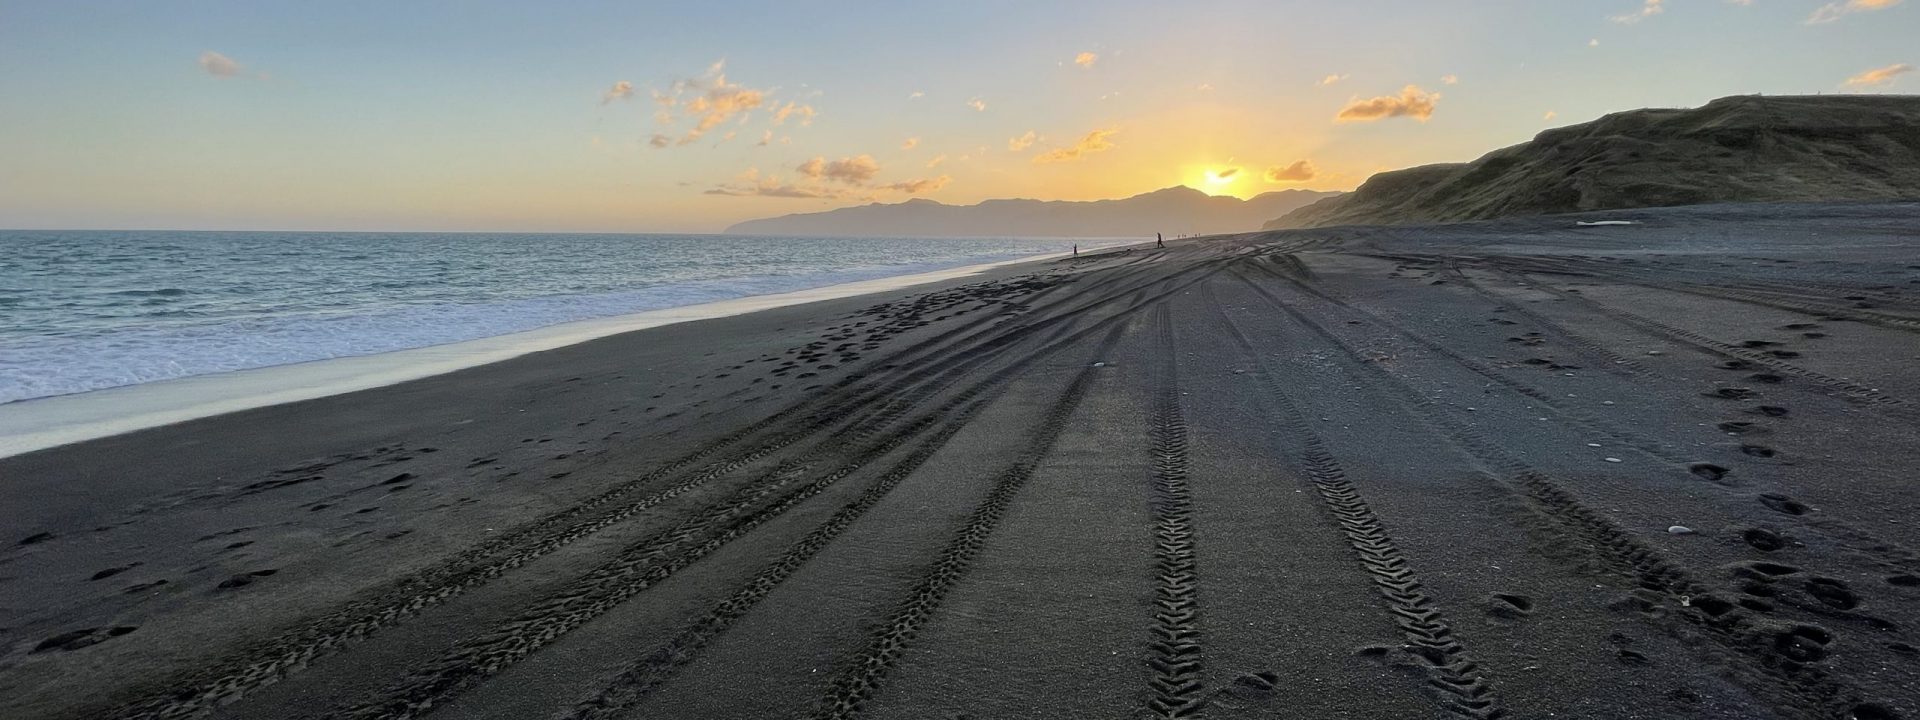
column 1521, row 469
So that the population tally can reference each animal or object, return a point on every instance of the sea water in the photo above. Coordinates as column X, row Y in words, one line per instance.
column 84, row 311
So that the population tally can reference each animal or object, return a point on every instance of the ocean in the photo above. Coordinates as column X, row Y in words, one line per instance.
column 82, row 311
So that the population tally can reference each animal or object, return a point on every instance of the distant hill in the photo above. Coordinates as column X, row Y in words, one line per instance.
column 1173, row 211
column 1736, row 149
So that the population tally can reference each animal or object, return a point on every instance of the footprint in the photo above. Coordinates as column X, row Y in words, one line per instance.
column 244, row 579
column 1708, row 471
column 1730, row 393
column 1833, row 593
column 1734, row 364
column 143, row 587
column 1740, row 428
column 1763, row 540
column 1768, row 378
column 36, row 538
column 76, row 639
column 112, row 571
column 1903, row 580
column 1757, row 450
column 1803, row 643
column 1769, row 410
column 1509, row 605
column 1783, row 504
column 1783, row 353
column 1757, row 343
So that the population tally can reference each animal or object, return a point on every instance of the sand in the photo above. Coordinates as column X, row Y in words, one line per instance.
column 1515, row 469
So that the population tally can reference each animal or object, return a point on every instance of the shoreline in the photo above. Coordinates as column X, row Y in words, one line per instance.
column 48, row 422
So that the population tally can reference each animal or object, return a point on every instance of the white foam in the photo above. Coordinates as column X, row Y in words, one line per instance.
column 41, row 423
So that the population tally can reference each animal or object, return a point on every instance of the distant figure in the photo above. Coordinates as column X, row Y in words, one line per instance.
column 1159, row 241
column 1076, row 249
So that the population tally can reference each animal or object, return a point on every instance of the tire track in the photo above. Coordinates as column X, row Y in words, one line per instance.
column 863, row 674
column 1453, row 675
column 1843, row 388
column 1773, row 661
column 1628, row 438
column 638, row 679
column 1177, row 684
column 196, row 692
column 644, row 564
column 1596, row 353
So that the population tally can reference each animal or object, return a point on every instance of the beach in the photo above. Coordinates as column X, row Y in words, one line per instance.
column 1657, row 467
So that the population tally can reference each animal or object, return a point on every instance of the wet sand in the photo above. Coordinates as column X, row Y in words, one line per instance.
column 1512, row 469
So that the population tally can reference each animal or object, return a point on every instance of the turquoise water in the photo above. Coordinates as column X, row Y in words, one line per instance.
column 89, row 310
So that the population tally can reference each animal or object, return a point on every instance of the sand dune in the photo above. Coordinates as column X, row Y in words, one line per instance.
column 1735, row 149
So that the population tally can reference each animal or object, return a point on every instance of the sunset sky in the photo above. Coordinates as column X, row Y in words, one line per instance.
column 685, row 117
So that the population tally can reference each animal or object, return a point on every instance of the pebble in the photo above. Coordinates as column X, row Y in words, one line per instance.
column 1593, row 444
column 1653, row 352
column 1606, row 402
column 1680, row 530
column 1613, row 459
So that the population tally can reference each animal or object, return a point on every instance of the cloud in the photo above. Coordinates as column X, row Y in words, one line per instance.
column 1023, row 142
column 1086, row 59
column 659, row 141
column 1331, row 79
column 1648, row 8
column 1412, row 102
column 1550, row 115
column 752, row 184
column 219, row 65
column 1228, row 173
column 1879, row 76
column 910, row 143
column 793, row 109
column 1449, row 79
column 856, row 170
column 1096, row 141
column 621, row 90
column 765, row 138
column 1205, row 87
column 916, row 95
column 977, row 104
column 1299, row 171
column 937, row 159
column 721, row 102
column 1594, row 42
column 1834, row 10
column 915, row 187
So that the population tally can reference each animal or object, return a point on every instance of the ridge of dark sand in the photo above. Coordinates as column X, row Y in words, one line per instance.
column 1353, row 472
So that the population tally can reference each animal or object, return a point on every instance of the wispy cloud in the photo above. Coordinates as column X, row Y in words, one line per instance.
column 1835, row 10
column 1332, row 79
column 1648, row 8
column 1879, row 76
column 977, row 104
column 1086, row 59
column 1550, row 115
column 915, row 187
column 752, row 184
column 1449, row 79
column 659, row 141
column 1412, row 102
column 1023, row 142
column 621, row 90
column 1093, row 142
column 937, row 160
column 1299, row 171
column 219, row 65
column 910, row 143
column 1205, row 87
column 916, row 95
column 856, row 170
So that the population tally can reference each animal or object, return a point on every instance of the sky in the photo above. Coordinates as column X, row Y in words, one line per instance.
column 481, row 115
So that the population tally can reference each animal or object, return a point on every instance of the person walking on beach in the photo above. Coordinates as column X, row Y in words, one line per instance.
column 1159, row 241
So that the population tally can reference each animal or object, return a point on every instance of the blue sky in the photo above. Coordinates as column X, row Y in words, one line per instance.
column 497, row 116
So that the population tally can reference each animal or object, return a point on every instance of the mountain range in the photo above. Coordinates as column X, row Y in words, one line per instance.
column 1173, row 211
